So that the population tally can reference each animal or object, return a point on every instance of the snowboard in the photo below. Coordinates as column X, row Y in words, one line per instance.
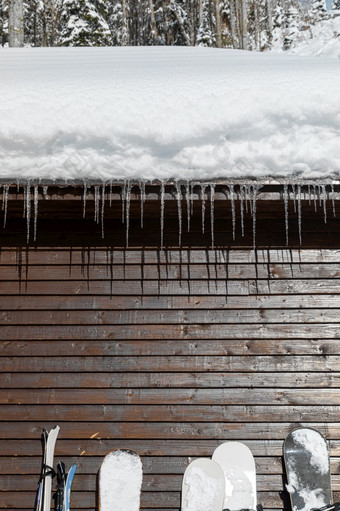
column 120, row 481
column 238, row 465
column 306, row 459
column 203, row 486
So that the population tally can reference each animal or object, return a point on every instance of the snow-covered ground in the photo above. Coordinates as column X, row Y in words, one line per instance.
column 167, row 112
column 320, row 40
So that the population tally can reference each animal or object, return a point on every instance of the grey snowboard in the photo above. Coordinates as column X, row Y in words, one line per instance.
column 307, row 465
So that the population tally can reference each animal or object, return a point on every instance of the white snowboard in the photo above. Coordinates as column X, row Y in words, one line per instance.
column 238, row 466
column 203, row 486
column 120, row 481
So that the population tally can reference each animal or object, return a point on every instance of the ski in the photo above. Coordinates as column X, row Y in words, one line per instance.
column 203, row 486
column 43, row 499
column 120, row 481
column 306, row 459
column 238, row 465
column 39, row 498
column 61, row 482
column 68, row 487
column 64, row 485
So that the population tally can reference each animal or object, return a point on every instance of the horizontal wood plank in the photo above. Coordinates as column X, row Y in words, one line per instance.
column 166, row 396
column 171, row 317
column 170, row 413
column 170, row 271
column 135, row 302
column 108, row 255
column 211, row 347
column 186, row 332
column 183, row 288
column 166, row 430
column 71, row 380
column 280, row 363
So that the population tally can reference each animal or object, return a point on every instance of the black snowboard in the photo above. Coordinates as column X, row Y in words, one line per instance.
column 306, row 459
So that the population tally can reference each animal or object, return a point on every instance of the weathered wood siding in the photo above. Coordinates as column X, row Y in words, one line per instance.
column 167, row 353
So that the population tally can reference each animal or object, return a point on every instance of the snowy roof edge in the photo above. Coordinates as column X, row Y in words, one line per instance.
column 289, row 180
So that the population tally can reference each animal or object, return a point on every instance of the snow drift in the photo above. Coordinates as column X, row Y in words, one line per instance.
column 145, row 113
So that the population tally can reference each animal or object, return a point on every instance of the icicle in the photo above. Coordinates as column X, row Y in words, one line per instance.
column 212, row 214
column 103, row 207
column 110, row 194
column 28, row 209
column 45, row 192
column 324, row 202
column 242, row 196
column 179, row 211
column 84, row 199
column 314, row 198
column 127, row 209
column 253, row 212
column 286, row 202
column 96, row 203
column 246, row 196
column 187, row 197
column 5, row 193
column 232, row 204
column 18, row 185
column 319, row 194
column 162, row 212
column 333, row 199
column 25, row 201
column 299, row 212
column 142, row 201
column 294, row 197
column 36, row 204
column 123, row 192
column 192, row 198
column 203, row 186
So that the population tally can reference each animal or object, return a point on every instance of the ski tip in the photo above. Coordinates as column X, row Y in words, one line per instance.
column 72, row 470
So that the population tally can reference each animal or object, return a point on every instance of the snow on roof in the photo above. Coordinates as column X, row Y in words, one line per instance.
column 167, row 112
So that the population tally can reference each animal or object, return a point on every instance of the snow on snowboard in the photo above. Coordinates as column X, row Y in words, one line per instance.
column 203, row 486
column 120, row 481
column 306, row 459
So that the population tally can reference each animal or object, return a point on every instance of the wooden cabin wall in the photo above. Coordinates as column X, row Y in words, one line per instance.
column 168, row 353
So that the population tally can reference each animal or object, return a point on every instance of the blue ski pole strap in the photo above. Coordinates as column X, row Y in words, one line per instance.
column 47, row 471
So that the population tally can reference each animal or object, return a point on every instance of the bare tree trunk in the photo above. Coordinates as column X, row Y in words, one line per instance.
column 270, row 17
column 200, row 13
column 218, row 24
column 126, row 32
column 256, row 27
column 16, row 24
column 44, row 25
column 244, row 25
column 233, row 25
column 154, row 29
column 192, row 22
column 53, row 24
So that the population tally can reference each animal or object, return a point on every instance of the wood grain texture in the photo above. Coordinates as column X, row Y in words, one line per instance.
column 169, row 353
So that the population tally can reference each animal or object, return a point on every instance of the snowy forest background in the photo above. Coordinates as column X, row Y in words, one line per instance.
column 240, row 24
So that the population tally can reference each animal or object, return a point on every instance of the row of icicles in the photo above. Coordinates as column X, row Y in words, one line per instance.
column 246, row 194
